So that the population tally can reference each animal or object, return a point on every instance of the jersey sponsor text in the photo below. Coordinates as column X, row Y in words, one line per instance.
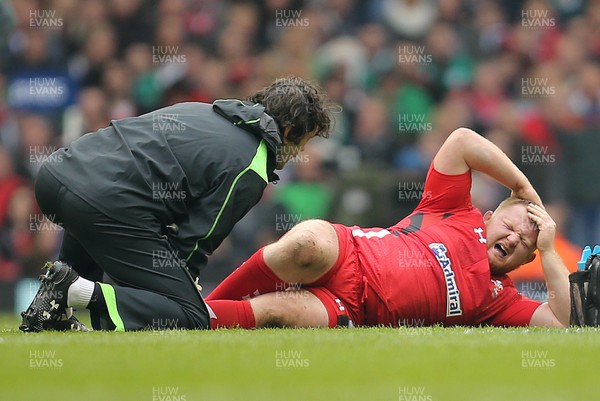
column 453, row 306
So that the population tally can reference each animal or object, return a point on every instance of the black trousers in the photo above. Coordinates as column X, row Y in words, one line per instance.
column 152, row 288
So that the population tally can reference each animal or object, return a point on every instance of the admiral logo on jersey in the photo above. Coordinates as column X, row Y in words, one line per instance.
column 453, row 306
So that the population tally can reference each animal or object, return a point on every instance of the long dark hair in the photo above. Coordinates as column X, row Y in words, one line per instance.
column 297, row 102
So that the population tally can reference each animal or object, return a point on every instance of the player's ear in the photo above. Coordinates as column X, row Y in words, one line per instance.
column 487, row 216
column 530, row 258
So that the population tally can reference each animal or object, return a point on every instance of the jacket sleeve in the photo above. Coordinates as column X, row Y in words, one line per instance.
column 211, row 218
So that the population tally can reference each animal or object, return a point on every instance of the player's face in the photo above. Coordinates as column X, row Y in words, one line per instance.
column 511, row 238
column 290, row 150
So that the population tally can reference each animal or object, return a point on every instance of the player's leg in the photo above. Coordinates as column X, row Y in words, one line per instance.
column 305, row 254
column 341, row 291
column 289, row 309
column 302, row 256
column 316, row 307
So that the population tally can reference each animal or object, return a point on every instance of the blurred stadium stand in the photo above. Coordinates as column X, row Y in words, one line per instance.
column 525, row 74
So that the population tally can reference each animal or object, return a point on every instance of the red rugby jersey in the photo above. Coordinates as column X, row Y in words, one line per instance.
column 432, row 266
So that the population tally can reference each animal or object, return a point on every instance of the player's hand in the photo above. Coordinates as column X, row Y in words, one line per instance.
column 546, row 226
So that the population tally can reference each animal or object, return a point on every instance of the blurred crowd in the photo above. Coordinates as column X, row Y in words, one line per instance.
column 405, row 73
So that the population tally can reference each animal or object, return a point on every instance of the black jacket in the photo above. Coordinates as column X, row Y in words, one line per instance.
column 195, row 166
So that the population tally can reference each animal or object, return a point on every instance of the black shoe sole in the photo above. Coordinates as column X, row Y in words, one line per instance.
column 42, row 309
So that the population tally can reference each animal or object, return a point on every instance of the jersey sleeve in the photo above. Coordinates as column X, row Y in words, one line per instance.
column 511, row 308
column 443, row 192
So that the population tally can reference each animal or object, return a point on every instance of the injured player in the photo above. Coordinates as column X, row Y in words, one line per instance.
column 445, row 263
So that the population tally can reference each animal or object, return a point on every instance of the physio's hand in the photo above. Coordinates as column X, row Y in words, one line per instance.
column 546, row 226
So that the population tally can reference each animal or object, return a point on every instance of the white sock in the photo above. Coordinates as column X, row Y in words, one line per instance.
column 80, row 293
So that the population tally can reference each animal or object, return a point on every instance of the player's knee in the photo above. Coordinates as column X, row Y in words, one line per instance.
column 305, row 245
column 303, row 248
column 305, row 253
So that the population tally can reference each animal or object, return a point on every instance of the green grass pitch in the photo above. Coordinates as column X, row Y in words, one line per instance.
column 420, row 364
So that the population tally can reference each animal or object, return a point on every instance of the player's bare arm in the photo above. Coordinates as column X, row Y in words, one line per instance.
column 554, row 313
column 466, row 150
